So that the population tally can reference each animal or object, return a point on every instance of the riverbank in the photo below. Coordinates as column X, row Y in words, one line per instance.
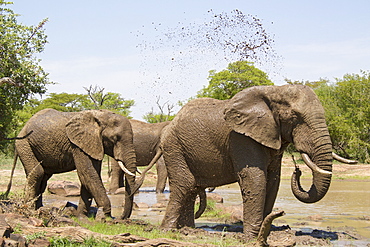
column 309, row 224
column 340, row 172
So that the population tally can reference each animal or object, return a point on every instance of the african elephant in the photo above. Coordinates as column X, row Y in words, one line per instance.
column 146, row 143
column 65, row 141
column 212, row 143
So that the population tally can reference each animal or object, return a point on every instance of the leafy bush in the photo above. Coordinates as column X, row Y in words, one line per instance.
column 347, row 109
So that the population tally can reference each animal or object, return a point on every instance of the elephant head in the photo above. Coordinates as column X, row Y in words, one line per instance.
column 276, row 116
column 103, row 132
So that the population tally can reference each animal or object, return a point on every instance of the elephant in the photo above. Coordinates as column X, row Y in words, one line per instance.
column 216, row 142
column 146, row 143
column 65, row 141
column 203, row 197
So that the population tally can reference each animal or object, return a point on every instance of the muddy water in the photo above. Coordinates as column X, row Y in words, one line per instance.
column 346, row 205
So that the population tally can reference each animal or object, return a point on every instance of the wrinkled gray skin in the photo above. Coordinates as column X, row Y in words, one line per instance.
column 146, row 144
column 212, row 143
column 65, row 141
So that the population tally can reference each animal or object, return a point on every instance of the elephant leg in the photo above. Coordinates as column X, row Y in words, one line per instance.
column 187, row 216
column 272, row 188
column 34, row 183
column 34, row 173
column 43, row 185
column 85, row 201
column 250, row 160
column 161, row 175
column 252, row 183
column 182, row 186
column 88, row 171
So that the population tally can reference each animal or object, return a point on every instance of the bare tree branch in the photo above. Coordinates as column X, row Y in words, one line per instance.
column 96, row 95
column 10, row 81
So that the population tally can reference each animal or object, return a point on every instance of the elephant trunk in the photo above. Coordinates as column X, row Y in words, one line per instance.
column 319, row 159
column 129, row 161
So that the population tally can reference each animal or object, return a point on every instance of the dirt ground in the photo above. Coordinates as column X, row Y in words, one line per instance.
column 281, row 236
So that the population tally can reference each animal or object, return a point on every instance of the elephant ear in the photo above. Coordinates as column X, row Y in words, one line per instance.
column 84, row 131
column 251, row 116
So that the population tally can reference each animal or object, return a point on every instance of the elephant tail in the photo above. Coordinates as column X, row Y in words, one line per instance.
column 5, row 195
column 140, row 180
column 19, row 137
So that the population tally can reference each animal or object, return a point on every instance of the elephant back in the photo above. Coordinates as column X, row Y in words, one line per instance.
column 48, row 140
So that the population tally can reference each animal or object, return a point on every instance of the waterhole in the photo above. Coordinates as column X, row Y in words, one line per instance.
column 346, row 205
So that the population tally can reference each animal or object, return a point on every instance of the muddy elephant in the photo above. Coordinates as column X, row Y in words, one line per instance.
column 65, row 141
column 146, row 143
column 212, row 143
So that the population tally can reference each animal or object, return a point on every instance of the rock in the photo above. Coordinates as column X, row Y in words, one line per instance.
column 142, row 205
column 64, row 188
column 19, row 239
column 159, row 205
column 215, row 197
column 5, row 229
column 235, row 212
column 39, row 242
column 120, row 191
column 315, row 217
column 75, row 233
column 367, row 218
column 164, row 242
column 14, row 220
column 11, row 243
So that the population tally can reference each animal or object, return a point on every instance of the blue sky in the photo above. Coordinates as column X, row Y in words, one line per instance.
column 101, row 43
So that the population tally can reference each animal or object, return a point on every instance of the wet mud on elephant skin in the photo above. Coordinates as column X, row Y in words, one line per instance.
column 65, row 141
column 212, row 143
column 146, row 138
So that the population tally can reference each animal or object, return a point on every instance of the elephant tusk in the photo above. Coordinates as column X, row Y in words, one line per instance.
column 125, row 169
column 312, row 165
column 343, row 160
column 138, row 171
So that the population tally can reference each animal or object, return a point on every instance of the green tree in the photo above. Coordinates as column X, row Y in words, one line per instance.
column 347, row 111
column 71, row 103
column 312, row 84
column 353, row 99
column 161, row 116
column 18, row 46
column 63, row 102
column 238, row 76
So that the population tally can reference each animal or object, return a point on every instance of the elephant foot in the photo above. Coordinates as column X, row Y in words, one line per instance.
column 167, row 229
column 249, row 237
column 168, row 226
column 83, row 218
column 103, row 217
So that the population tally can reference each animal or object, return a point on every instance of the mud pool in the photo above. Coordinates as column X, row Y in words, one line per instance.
column 346, row 205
